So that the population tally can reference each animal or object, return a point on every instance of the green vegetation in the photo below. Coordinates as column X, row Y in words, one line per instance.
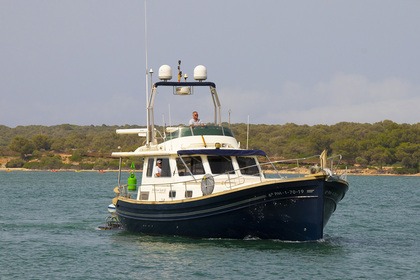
column 66, row 146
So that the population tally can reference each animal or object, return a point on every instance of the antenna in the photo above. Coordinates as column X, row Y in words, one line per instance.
column 145, row 35
column 147, row 69
column 164, row 125
column 179, row 71
column 247, row 134
column 151, row 76
column 170, row 120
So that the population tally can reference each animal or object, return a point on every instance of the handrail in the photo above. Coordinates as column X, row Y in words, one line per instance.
column 300, row 160
column 233, row 180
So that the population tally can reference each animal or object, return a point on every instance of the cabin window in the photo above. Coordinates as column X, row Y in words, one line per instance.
column 248, row 166
column 144, row 195
column 188, row 194
column 172, row 194
column 220, row 165
column 152, row 169
column 194, row 164
column 166, row 168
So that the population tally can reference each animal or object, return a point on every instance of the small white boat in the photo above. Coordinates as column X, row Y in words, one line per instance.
column 211, row 188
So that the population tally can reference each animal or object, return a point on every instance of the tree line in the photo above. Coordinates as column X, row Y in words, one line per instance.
column 375, row 145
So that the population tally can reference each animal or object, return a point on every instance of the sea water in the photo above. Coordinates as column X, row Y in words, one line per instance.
column 49, row 220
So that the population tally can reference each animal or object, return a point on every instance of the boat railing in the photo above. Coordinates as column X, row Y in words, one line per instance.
column 123, row 191
column 334, row 168
column 233, row 178
column 235, row 181
column 298, row 166
column 184, row 131
column 231, row 182
column 302, row 166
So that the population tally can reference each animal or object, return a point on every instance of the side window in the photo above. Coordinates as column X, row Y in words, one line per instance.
column 248, row 166
column 194, row 164
column 150, row 167
column 220, row 165
column 166, row 168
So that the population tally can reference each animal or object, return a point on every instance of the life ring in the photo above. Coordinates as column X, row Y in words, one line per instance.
column 207, row 184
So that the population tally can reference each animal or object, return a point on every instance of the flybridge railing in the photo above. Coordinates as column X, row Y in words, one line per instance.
column 183, row 131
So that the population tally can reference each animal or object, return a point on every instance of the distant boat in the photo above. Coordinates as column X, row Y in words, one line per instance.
column 211, row 188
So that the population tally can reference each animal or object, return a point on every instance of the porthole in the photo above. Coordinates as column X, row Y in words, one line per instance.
column 172, row 194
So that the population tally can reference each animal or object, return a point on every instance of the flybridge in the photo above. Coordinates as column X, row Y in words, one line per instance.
column 180, row 88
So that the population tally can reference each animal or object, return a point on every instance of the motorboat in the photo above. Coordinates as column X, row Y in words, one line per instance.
column 210, row 187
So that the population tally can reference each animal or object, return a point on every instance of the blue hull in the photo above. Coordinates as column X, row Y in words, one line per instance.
column 295, row 210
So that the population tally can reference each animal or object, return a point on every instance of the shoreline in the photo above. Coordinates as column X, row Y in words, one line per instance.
column 352, row 172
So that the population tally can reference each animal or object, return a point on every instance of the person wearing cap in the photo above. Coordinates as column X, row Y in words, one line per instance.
column 195, row 121
column 158, row 168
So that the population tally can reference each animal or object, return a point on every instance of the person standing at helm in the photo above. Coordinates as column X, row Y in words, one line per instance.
column 195, row 121
column 158, row 168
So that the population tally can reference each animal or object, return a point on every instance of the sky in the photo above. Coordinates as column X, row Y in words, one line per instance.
column 311, row 62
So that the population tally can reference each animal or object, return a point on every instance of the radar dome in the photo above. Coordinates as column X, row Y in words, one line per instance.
column 165, row 72
column 200, row 73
